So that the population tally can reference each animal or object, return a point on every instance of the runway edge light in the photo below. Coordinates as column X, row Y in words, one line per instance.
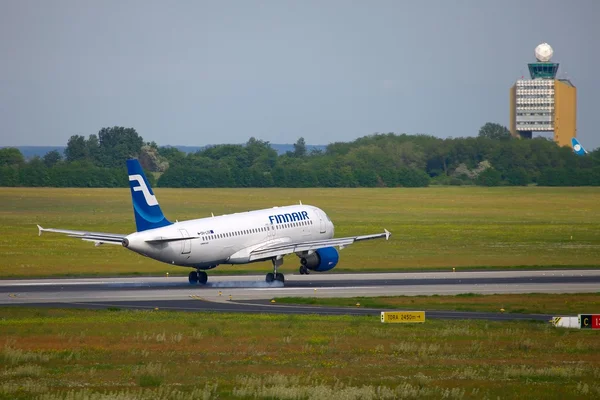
column 399, row 317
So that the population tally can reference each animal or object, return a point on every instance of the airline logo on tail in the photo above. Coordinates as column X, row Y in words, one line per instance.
column 150, row 198
column 148, row 214
column 577, row 147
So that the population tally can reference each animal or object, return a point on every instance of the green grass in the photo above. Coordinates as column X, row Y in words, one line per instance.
column 433, row 228
column 87, row 354
column 533, row 303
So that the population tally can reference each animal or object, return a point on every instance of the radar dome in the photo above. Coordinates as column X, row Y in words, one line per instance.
column 543, row 53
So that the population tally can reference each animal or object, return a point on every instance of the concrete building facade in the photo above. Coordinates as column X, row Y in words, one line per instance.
column 544, row 103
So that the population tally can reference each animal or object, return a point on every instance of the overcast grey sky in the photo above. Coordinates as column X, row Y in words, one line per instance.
column 199, row 72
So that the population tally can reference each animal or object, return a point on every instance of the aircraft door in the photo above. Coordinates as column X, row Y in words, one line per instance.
column 270, row 232
column 186, row 245
column 322, row 222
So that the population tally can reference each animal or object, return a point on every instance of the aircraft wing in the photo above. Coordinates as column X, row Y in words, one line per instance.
column 96, row 237
column 281, row 249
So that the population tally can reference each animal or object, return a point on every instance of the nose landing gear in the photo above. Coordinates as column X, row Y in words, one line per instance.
column 276, row 276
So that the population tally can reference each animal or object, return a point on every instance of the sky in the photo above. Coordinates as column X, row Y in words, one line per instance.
column 199, row 72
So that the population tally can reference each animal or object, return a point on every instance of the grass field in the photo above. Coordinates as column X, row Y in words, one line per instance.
column 433, row 228
column 85, row 354
column 531, row 303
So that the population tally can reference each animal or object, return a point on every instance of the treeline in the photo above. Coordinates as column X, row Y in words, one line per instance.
column 492, row 158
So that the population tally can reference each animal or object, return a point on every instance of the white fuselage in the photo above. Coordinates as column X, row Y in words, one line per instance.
column 229, row 239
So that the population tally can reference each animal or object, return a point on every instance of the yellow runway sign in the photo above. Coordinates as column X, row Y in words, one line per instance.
column 402, row 316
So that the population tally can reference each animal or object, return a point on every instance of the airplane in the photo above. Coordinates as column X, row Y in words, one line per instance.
column 240, row 238
column 578, row 148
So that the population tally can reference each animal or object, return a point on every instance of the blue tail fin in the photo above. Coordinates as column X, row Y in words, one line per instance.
column 577, row 147
column 148, row 214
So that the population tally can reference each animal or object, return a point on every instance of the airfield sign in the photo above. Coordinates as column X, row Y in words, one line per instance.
column 402, row 316
column 589, row 321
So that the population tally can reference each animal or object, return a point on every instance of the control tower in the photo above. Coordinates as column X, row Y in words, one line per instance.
column 544, row 103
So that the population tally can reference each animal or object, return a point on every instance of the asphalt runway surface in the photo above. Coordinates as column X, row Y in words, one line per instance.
column 253, row 294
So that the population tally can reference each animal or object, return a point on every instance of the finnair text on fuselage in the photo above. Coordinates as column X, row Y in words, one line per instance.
column 291, row 217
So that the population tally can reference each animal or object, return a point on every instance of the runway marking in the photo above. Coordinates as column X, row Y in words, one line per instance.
column 580, row 288
column 195, row 297
column 13, row 295
column 319, row 288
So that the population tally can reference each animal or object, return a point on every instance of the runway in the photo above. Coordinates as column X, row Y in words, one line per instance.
column 252, row 293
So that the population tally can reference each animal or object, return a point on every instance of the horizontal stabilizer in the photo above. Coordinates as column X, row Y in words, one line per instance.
column 167, row 240
column 112, row 238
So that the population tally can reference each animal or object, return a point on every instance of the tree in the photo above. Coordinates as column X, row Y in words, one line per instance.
column 517, row 177
column 379, row 160
column 494, row 131
column 173, row 155
column 11, row 156
column 151, row 160
column 117, row 144
column 411, row 177
column 489, row 177
column 300, row 148
column 93, row 149
column 52, row 158
column 76, row 149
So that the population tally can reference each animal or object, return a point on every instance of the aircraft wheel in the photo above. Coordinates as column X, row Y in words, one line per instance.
column 279, row 277
column 193, row 277
column 270, row 277
column 202, row 277
column 304, row 270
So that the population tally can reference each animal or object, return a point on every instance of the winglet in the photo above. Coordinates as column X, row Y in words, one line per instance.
column 387, row 234
column 40, row 230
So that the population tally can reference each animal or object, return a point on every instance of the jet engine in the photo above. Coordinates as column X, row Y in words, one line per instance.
column 321, row 260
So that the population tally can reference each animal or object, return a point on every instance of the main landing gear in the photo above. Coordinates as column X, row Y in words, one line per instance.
column 276, row 276
column 198, row 276
column 303, row 270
